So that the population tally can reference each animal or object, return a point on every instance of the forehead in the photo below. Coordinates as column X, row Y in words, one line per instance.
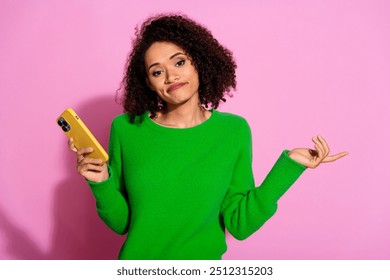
column 160, row 51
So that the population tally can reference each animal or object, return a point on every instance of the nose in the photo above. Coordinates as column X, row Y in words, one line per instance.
column 171, row 76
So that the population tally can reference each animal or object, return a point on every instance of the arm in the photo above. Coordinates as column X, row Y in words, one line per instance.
column 111, row 197
column 246, row 208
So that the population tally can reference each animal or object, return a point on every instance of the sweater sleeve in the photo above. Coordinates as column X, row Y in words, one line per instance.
column 245, row 207
column 111, row 197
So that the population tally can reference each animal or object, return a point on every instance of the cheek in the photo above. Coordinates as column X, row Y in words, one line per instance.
column 193, row 76
column 154, row 84
column 196, row 80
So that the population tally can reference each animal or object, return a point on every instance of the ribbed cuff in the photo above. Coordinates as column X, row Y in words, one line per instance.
column 104, row 191
column 285, row 156
column 281, row 177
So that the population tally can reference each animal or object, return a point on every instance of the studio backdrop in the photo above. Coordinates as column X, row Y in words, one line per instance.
column 304, row 68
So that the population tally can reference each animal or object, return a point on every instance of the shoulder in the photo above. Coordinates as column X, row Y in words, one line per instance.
column 231, row 120
column 234, row 125
column 121, row 125
column 120, row 121
column 123, row 120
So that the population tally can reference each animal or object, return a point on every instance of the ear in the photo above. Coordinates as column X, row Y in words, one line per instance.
column 148, row 83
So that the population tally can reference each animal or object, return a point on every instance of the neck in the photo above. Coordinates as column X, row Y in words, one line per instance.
column 182, row 116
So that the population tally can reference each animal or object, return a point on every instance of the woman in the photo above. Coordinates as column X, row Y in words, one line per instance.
column 180, row 171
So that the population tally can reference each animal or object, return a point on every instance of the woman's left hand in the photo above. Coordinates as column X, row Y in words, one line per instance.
column 312, row 158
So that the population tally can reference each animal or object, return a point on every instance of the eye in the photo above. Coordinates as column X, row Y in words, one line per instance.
column 180, row 62
column 156, row 73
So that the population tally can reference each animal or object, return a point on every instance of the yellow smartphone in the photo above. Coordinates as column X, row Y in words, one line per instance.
column 74, row 128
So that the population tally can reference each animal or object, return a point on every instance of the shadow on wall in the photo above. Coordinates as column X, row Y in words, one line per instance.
column 78, row 232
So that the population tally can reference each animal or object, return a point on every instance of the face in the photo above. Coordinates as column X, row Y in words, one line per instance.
column 171, row 74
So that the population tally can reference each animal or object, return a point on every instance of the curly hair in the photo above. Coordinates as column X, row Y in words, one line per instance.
column 214, row 63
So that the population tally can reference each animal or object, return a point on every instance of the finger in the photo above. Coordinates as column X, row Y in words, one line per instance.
column 71, row 145
column 335, row 157
column 324, row 144
column 82, row 152
column 323, row 148
column 319, row 147
column 83, row 169
column 318, row 159
column 96, row 161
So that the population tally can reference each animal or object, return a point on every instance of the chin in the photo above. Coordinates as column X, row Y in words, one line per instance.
column 178, row 101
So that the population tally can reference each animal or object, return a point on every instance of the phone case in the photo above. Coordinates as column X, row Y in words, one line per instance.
column 74, row 128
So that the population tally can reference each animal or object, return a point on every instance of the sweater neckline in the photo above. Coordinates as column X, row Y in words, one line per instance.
column 162, row 128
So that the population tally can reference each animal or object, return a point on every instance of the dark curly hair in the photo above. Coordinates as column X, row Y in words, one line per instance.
column 214, row 63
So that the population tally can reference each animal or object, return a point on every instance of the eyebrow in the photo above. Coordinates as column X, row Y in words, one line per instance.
column 172, row 56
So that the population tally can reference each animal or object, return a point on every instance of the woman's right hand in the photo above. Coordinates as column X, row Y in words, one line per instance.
column 90, row 168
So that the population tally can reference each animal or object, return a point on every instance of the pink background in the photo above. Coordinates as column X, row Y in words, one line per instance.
column 304, row 68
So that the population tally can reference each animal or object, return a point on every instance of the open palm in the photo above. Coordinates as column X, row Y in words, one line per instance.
column 312, row 158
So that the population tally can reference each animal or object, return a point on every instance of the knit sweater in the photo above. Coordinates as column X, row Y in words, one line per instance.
column 174, row 191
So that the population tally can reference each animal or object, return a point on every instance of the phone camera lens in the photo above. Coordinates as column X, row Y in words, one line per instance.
column 60, row 121
column 65, row 128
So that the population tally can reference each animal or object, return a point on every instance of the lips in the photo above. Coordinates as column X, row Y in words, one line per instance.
column 175, row 86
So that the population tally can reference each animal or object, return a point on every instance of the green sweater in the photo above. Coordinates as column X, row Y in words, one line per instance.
column 175, row 190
